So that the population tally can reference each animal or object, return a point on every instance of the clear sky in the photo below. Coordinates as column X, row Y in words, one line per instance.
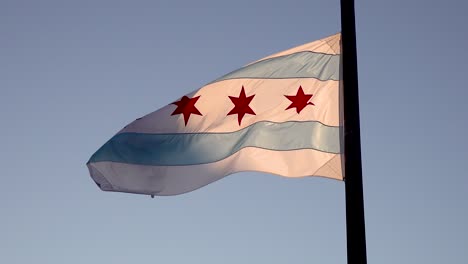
column 73, row 73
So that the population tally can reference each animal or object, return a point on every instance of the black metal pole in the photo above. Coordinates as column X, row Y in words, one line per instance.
column 355, row 225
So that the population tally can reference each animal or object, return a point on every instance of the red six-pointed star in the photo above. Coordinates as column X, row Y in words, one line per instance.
column 300, row 100
column 241, row 105
column 186, row 106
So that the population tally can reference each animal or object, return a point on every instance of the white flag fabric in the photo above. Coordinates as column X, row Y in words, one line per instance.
column 281, row 115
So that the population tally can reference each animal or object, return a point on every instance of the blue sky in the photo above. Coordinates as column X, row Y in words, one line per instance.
column 73, row 73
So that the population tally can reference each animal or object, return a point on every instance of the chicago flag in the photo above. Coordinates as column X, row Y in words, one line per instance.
column 281, row 115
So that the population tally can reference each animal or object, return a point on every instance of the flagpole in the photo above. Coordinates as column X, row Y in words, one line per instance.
column 355, row 225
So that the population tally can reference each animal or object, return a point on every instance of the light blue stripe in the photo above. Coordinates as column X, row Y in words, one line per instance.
column 200, row 148
column 304, row 64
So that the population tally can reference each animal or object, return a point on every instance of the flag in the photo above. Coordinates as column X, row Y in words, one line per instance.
column 280, row 115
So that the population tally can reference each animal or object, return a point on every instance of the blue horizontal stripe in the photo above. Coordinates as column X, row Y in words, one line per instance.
column 200, row 148
column 305, row 64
